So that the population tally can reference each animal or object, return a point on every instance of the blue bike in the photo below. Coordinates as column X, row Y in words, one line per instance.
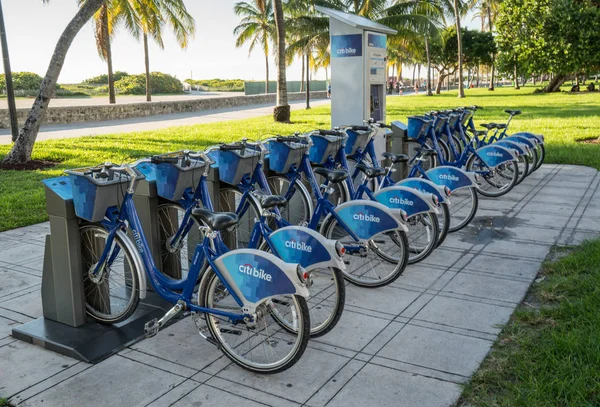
column 244, row 294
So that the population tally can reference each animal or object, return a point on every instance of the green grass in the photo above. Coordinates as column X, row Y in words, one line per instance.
column 563, row 118
column 549, row 353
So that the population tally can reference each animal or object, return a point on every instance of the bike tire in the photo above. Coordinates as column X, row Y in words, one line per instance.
column 384, row 268
column 443, row 222
column 495, row 191
column 299, row 208
column 239, row 236
column 217, row 328
column 469, row 203
column 420, row 251
column 98, row 294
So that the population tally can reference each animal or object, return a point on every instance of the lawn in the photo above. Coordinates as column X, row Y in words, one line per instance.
column 563, row 118
column 549, row 353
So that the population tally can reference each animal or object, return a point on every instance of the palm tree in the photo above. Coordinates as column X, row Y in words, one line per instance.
column 21, row 150
column 257, row 27
column 103, row 22
column 149, row 17
column 457, row 14
column 281, row 113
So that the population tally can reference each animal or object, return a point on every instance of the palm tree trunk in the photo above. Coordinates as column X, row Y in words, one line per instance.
column 147, row 63
column 489, row 13
column 111, row 79
column 428, row 66
column 267, row 72
column 21, row 150
column 302, row 74
column 307, row 81
column 414, row 70
column 281, row 113
column 461, row 90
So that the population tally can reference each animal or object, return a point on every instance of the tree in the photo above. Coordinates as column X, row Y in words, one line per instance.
column 149, row 17
column 103, row 22
column 257, row 27
column 457, row 13
column 21, row 150
column 281, row 113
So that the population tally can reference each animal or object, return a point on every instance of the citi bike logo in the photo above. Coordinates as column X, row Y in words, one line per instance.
column 138, row 240
column 494, row 154
column 346, row 51
column 448, row 177
column 365, row 218
column 293, row 244
column 401, row 201
column 251, row 271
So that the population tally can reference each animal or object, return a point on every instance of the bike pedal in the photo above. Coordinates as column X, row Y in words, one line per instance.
column 151, row 328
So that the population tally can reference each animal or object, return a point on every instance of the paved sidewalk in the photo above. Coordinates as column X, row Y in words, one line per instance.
column 57, row 131
column 412, row 343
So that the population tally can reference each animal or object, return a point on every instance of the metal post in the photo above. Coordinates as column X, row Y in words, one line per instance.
column 307, row 82
column 10, row 94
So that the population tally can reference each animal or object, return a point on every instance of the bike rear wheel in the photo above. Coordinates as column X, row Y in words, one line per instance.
column 463, row 207
column 299, row 207
column 263, row 346
column 381, row 260
column 112, row 294
column 423, row 232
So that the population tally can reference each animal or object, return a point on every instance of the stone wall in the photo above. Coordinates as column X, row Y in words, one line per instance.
column 78, row 114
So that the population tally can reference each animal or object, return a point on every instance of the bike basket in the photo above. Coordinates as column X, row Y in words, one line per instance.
column 466, row 117
column 417, row 126
column 453, row 121
column 284, row 154
column 324, row 146
column 233, row 165
column 93, row 196
column 357, row 139
column 439, row 124
column 173, row 179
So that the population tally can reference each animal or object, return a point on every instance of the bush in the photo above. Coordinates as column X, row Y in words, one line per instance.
column 23, row 81
column 103, row 79
column 236, row 85
column 159, row 82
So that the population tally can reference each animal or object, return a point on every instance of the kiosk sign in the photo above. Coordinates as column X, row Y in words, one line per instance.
column 343, row 46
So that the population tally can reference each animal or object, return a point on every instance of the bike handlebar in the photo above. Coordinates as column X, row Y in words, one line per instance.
column 330, row 133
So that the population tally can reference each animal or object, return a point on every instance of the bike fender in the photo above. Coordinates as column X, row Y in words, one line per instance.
column 298, row 244
column 256, row 275
column 531, row 136
column 409, row 200
column 494, row 155
column 424, row 186
column 367, row 218
column 451, row 177
column 137, row 260
column 521, row 148
column 520, row 139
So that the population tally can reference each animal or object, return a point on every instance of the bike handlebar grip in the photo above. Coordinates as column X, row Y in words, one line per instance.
column 290, row 139
column 385, row 126
column 330, row 132
column 361, row 128
column 159, row 160
column 226, row 147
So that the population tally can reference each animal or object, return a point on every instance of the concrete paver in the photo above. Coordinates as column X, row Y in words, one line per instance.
column 411, row 343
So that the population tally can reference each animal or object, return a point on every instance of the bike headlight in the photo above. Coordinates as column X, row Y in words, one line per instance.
column 340, row 249
column 477, row 178
column 435, row 200
column 303, row 275
column 447, row 191
column 403, row 215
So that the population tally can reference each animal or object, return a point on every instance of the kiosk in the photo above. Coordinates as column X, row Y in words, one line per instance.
column 358, row 69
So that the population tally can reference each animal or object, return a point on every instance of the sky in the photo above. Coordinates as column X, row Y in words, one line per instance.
column 33, row 28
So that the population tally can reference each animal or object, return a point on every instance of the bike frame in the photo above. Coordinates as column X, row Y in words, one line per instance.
column 165, row 286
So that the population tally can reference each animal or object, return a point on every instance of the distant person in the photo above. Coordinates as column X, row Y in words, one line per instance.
column 329, row 90
column 391, row 87
column 398, row 87
column 416, row 88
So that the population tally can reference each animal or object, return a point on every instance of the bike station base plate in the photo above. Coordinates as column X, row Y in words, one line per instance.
column 92, row 342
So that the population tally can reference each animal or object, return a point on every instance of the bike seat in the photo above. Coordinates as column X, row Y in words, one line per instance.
column 370, row 172
column 488, row 126
column 425, row 151
column 395, row 158
column 480, row 133
column 271, row 201
column 513, row 112
column 501, row 126
column 215, row 220
column 333, row 176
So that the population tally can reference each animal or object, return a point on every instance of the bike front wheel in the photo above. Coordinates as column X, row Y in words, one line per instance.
column 374, row 262
column 112, row 293
column 261, row 346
